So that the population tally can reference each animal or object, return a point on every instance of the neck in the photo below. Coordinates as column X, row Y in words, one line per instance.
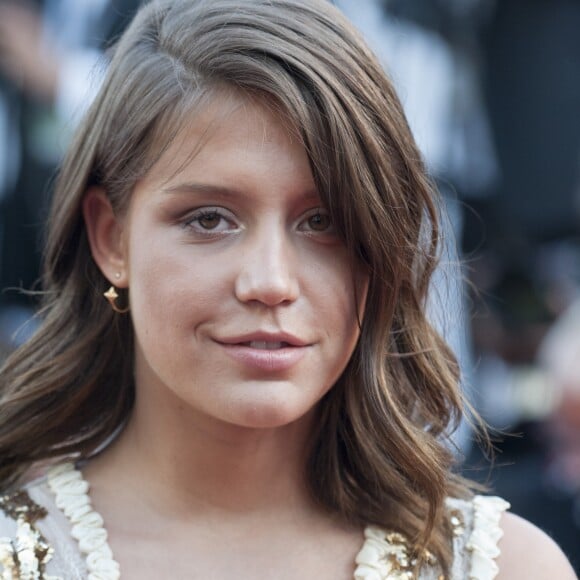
column 185, row 463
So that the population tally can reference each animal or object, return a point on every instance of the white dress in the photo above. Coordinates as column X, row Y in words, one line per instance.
column 49, row 531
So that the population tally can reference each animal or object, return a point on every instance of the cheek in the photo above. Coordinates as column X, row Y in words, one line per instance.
column 170, row 287
column 152, row 274
column 340, row 301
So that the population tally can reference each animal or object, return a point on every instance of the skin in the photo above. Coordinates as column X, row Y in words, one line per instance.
column 207, row 481
column 527, row 552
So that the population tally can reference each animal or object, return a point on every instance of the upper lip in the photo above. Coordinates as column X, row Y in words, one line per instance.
column 263, row 336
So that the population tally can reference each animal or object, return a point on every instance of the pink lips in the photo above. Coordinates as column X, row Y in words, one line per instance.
column 266, row 351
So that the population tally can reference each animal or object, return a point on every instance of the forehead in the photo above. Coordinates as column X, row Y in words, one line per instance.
column 225, row 124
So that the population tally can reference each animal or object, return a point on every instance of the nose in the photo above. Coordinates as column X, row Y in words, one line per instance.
column 267, row 272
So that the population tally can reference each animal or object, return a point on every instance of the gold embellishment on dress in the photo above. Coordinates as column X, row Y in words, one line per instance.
column 389, row 556
column 26, row 556
column 457, row 522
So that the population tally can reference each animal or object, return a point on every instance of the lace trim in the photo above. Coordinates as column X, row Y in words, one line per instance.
column 71, row 496
column 485, row 536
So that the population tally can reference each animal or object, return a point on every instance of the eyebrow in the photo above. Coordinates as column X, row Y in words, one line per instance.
column 223, row 191
column 197, row 188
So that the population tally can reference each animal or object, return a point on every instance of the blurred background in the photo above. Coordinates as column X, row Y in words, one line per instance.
column 492, row 93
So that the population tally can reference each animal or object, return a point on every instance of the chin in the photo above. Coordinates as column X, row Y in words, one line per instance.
column 270, row 415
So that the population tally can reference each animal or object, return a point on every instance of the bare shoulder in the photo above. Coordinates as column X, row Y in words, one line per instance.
column 527, row 552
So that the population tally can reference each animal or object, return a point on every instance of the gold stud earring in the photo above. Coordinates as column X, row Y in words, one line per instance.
column 111, row 295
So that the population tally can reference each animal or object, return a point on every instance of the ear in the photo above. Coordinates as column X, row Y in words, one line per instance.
column 105, row 233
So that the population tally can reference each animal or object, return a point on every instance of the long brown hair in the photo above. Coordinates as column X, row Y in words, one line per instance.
column 377, row 455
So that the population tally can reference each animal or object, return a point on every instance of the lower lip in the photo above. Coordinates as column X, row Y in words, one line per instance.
column 271, row 360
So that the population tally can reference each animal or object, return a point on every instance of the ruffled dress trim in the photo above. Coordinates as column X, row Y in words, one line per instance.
column 71, row 497
column 485, row 535
column 389, row 555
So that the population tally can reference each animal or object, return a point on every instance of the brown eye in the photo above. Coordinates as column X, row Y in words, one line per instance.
column 319, row 222
column 210, row 220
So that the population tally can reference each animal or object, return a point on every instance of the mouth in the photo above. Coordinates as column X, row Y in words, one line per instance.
column 266, row 352
column 266, row 345
column 261, row 340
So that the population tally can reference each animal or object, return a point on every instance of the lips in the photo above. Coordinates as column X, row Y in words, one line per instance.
column 266, row 352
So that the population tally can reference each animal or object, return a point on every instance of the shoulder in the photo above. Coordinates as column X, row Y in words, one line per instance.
column 527, row 552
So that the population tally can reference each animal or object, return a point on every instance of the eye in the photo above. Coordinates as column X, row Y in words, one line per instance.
column 210, row 220
column 318, row 221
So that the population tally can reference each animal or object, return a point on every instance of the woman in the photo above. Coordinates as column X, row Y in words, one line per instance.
column 258, row 387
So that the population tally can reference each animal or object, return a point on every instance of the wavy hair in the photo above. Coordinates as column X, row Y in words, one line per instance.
column 376, row 455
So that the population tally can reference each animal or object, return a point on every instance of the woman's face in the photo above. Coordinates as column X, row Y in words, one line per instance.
column 242, row 295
